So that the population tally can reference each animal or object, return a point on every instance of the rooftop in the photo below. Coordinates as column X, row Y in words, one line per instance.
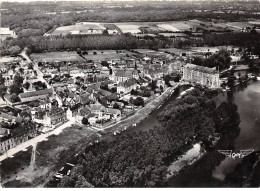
column 201, row 68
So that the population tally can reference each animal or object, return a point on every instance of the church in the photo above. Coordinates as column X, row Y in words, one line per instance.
column 202, row 75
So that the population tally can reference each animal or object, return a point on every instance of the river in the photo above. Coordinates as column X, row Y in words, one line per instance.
column 211, row 169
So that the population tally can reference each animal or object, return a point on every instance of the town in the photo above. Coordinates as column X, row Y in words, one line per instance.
column 74, row 78
column 45, row 93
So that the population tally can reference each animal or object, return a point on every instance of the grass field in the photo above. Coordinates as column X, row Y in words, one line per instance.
column 239, row 25
column 106, row 55
column 5, row 59
column 168, row 27
column 56, row 56
column 83, row 28
column 129, row 28
column 175, row 51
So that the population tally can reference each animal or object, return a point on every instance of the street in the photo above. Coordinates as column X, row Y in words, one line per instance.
column 35, row 140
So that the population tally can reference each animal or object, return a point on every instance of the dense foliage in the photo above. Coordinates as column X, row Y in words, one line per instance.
column 140, row 159
column 220, row 60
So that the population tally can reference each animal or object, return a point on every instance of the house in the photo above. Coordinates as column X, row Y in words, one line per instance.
column 102, row 113
column 17, row 136
column 160, row 83
column 8, row 77
column 35, row 95
column 120, row 104
column 10, row 119
column 72, row 99
column 76, row 72
column 125, row 74
column 176, row 66
column 6, row 32
column 105, row 70
column 201, row 75
column 49, row 117
column 44, row 104
column 64, row 70
column 126, row 86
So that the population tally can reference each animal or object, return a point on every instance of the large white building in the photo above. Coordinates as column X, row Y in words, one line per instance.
column 202, row 75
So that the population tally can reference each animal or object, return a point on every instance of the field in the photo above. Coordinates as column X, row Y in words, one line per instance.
column 175, row 51
column 168, row 27
column 173, row 34
column 238, row 25
column 129, row 28
column 210, row 49
column 79, row 28
column 102, row 55
column 56, row 56
column 6, row 59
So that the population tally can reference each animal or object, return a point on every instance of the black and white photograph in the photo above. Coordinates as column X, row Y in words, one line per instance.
column 129, row 94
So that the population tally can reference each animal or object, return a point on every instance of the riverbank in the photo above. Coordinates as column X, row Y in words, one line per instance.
column 211, row 169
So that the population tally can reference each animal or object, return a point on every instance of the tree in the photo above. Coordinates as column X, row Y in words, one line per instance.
column 2, row 80
column 18, row 79
column 66, row 182
column 116, row 106
column 26, row 85
column 134, row 92
column 14, row 50
column 3, row 90
column 17, row 89
column 79, row 51
column 105, row 32
column 139, row 101
column 14, row 98
column 153, row 84
column 30, row 66
column 85, row 121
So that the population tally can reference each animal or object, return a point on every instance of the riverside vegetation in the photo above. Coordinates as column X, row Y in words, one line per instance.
column 140, row 159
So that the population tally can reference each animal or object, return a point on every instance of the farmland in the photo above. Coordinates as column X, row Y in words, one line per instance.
column 56, row 56
column 239, row 25
column 129, row 28
column 80, row 28
column 106, row 55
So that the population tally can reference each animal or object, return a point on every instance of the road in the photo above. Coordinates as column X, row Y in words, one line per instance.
column 141, row 113
column 35, row 140
column 24, row 55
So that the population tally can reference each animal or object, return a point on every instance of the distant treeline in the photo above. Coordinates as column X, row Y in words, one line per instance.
column 45, row 16
column 141, row 159
column 242, row 39
column 84, row 42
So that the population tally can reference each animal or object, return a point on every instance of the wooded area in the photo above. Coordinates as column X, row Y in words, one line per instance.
column 140, row 159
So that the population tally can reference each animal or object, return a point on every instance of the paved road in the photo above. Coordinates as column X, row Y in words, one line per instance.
column 35, row 140
column 23, row 54
column 141, row 113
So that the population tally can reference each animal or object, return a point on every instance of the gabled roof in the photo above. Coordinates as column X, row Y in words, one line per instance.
column 96, row 106
column 3, row 131
column 84, row 111
column 201, row 68
column 104, row 92
column 36, row 93
column 111, row 111
column 124, row 73
column 84, row 98
column 128, row 83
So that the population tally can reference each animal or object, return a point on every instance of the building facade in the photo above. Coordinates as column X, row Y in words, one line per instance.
column 202, row 75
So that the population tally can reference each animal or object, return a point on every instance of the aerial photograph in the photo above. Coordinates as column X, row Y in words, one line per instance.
column 130, row 94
